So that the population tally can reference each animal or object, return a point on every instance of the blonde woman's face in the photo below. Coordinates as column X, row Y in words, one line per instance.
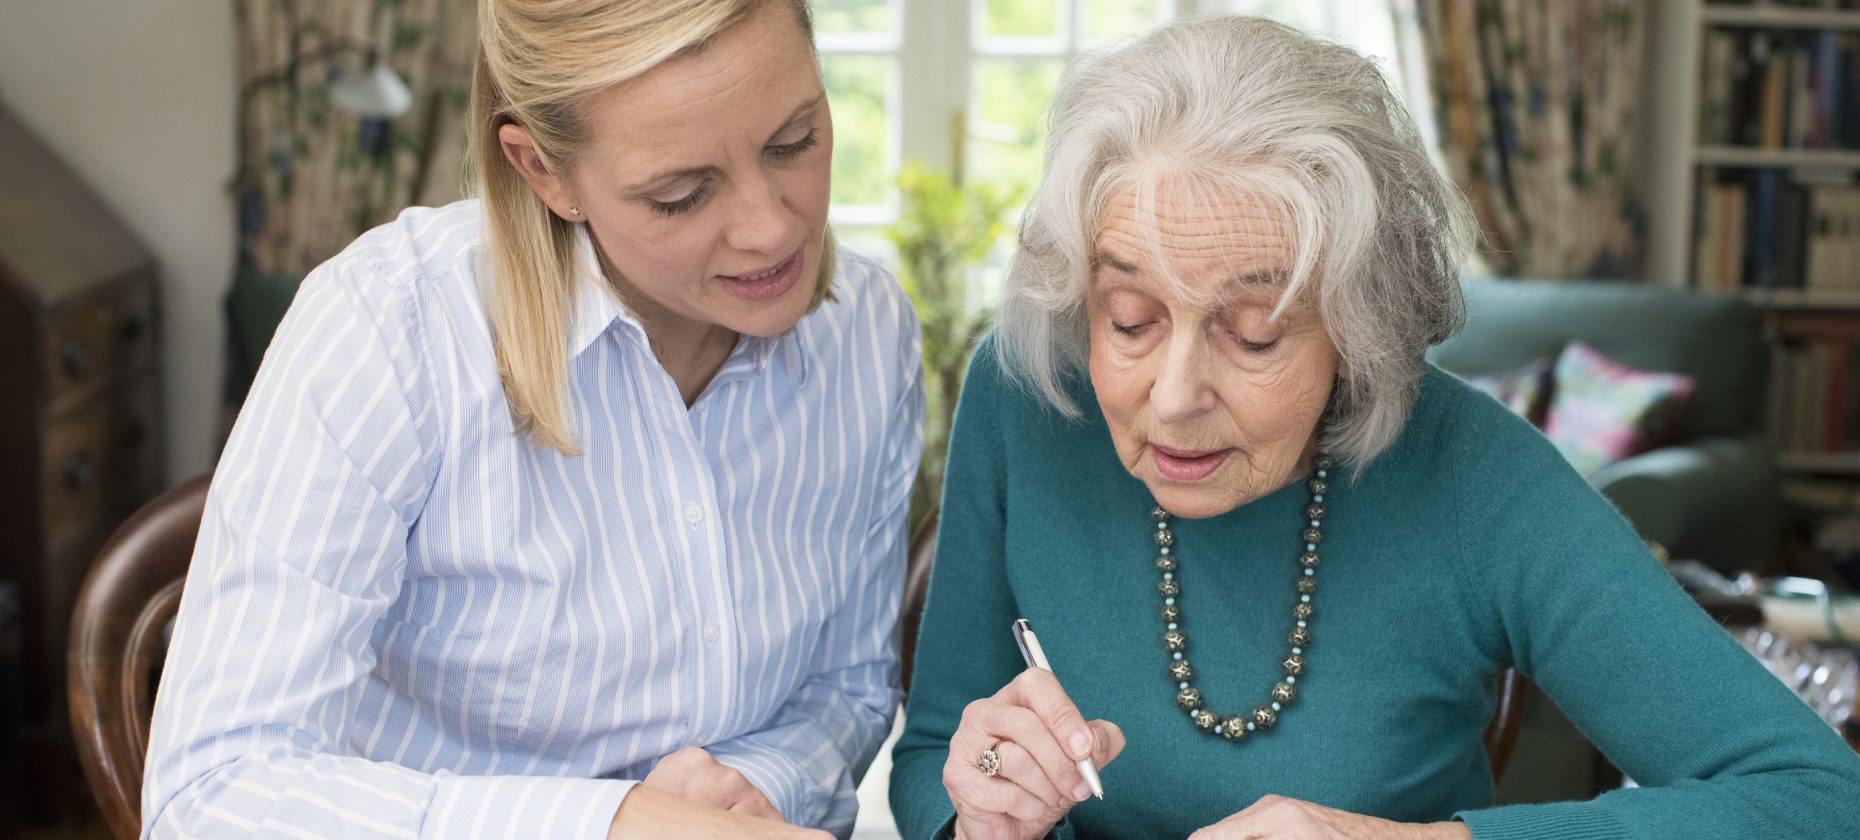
column 705, row 181
column 1210, row 404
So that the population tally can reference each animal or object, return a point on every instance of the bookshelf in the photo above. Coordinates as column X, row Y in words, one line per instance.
column 1753, row 188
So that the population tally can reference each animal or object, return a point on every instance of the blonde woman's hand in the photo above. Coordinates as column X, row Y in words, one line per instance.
column 648, row 813
column 1280, row 818
column 693, row 775
column 1038, row 734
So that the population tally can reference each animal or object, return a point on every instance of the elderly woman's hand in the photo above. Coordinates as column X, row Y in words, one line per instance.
column 1038, row 734
column 1280, row 818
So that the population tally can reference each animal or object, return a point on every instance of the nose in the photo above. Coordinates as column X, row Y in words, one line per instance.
column 1183, row 391
column 759, row 221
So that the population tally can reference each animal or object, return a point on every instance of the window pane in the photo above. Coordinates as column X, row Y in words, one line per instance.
column 1303, row 14
column 1007, row 119
column 854, row 17
column 1107, row 19
column 859, row 88
column 1020, row 18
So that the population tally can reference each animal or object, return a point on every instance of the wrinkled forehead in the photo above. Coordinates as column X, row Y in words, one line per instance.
column 1207, row 245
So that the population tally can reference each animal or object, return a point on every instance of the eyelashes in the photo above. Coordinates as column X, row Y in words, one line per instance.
column 797, row 148
column 1134, row 330
column 683, row 205
column 779, row 154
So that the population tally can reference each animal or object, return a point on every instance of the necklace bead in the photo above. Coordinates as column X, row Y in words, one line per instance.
column 1233, row 728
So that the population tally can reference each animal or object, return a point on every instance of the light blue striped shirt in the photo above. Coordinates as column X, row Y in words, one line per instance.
column 404, row 621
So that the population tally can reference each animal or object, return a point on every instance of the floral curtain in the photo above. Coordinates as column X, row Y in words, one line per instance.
column 313, row 175
column 1535, row 103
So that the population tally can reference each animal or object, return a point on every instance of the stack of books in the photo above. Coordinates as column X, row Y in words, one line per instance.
column 1796, row 89
column 1814, row 405
column 1776, row 228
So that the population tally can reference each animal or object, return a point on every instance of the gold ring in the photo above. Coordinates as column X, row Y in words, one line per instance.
column 990, row 761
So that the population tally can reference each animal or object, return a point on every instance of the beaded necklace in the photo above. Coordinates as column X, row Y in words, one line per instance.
column 1236, row 727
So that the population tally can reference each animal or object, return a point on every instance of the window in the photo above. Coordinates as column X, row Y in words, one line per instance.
column 953, row 83
column 963, row 84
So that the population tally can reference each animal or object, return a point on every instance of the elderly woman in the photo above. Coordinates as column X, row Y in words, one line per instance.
column 575, row 509
column 1275, row 558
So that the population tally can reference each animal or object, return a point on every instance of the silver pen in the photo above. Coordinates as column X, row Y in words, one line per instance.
column 1036, row 658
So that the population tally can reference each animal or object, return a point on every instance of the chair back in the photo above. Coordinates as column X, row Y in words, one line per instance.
column 916, row 586
column 1718, row 341
column 1501, row 734
column 118, row 636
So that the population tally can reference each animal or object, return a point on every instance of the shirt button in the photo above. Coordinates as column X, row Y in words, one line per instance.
column 693, row 513
column 711, row 633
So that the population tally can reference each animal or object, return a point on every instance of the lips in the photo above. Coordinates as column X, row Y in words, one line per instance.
column 1187, row 465
column 766, row 284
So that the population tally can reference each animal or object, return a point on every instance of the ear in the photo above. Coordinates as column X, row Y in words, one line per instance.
column 520, row 149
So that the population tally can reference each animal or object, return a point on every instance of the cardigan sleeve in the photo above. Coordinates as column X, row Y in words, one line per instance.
column 964, row 652
column 1719, row 747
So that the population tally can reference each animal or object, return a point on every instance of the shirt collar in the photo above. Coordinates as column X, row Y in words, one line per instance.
column 598, row 309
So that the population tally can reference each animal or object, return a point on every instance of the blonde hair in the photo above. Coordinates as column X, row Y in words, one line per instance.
column 537, row 61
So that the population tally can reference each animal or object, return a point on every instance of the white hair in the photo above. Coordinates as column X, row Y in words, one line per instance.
column 1242, row 106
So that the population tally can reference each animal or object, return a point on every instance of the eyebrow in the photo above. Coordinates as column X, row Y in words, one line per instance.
column 663, row 179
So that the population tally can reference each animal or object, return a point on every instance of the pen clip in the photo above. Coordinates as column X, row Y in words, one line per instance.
column 1021, row 629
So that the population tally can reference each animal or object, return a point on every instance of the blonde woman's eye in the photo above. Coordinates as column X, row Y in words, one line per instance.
column 795, row 149
column 682, row 205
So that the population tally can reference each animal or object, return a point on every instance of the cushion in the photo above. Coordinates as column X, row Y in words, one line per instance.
column 1526, row 391
column 1604, row 411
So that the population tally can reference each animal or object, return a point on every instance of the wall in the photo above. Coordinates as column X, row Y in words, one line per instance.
column 139, row 98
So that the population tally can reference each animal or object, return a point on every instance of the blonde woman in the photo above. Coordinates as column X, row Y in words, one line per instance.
column 575, row 510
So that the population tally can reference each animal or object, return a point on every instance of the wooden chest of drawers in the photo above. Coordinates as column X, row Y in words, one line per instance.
column 80, row 436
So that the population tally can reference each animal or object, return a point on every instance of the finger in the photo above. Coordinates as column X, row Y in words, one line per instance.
column 757, row 803
column 1010, row 799
column 1021, row 768
column 1109, row 743
column 1039, row 690
column 1026, row 729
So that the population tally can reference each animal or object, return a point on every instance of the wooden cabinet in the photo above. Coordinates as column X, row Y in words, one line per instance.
column 80, row 431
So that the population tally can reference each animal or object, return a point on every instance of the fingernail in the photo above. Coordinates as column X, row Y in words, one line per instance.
column 1081, row 744
column 1081, row 792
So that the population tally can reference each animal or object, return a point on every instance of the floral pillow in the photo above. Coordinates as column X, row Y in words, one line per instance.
column 1605, row 411
column 1526, row 391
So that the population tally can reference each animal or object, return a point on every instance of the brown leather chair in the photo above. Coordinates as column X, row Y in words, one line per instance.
column 117, row 641
column 1501, row 734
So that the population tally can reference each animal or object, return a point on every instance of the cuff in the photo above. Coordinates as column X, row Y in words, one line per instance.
column 1563, row 820
column 1061, row 831
column 522, row 806
column 776, row 775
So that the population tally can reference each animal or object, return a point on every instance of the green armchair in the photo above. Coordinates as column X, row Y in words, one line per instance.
column 1712, row 496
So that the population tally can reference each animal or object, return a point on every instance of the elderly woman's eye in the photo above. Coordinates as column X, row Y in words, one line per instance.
column 1128, row 329
column 1256, row 346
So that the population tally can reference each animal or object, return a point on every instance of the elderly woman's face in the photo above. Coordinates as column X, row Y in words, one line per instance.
column 1210, row 406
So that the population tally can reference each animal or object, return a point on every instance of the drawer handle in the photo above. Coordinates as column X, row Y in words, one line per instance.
column 79, row 469
column 75, row 356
